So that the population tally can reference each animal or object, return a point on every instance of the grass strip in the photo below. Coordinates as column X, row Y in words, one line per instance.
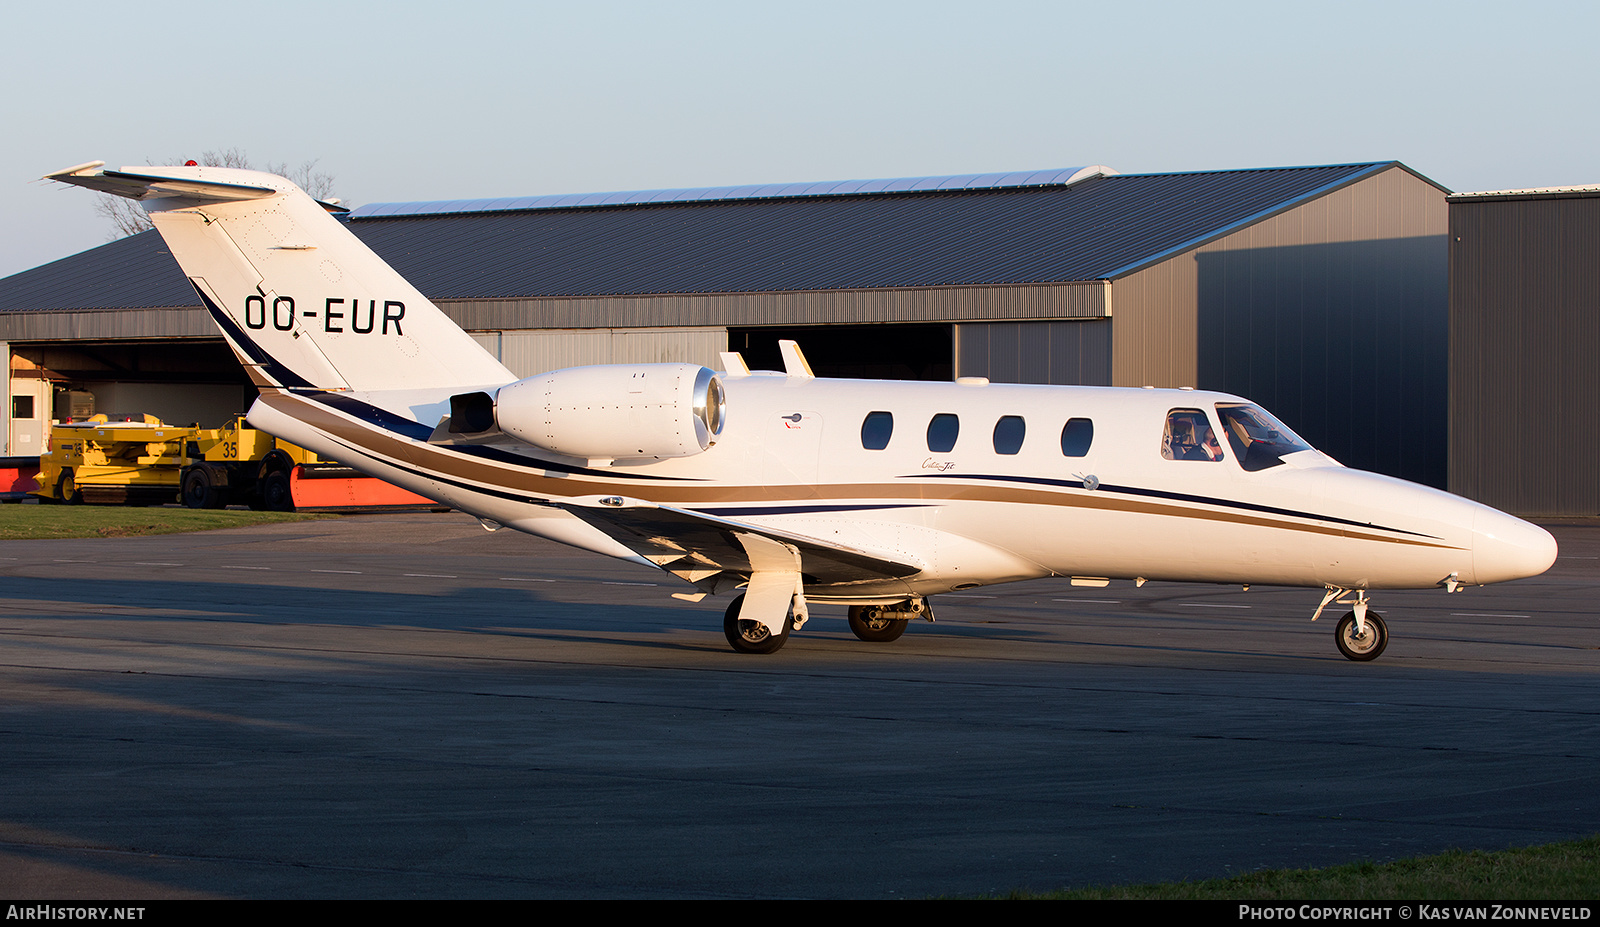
column 43, row 522
column 1555, row 871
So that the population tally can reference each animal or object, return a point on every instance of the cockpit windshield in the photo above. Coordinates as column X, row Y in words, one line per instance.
column 1259, row 441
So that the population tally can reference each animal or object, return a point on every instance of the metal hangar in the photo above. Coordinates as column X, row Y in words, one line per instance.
column 1319, row 291
column 1524, row 335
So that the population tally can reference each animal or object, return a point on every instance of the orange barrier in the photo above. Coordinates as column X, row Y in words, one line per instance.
column 313, row 492
column 18, row 477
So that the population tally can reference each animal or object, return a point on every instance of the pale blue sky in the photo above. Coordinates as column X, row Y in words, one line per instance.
column 418, row 101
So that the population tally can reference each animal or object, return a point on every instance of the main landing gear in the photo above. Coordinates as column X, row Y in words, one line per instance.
column 1360, row 635
column 878, row 624
column 746, row 635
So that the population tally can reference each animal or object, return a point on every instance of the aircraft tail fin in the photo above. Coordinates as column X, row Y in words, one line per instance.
column 302, row 301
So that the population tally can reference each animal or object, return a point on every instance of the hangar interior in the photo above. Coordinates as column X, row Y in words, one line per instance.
column 1320, row 292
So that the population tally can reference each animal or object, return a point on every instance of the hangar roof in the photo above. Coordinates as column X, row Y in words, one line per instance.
column 765, row 191
column 1532, row 193
column 1069, row 228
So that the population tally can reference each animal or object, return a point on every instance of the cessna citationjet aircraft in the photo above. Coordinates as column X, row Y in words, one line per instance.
column 870, row 494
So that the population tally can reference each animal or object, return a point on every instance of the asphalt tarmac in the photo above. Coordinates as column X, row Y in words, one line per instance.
column 407, row 706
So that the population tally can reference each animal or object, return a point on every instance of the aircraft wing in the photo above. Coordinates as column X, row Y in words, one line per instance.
column 697, row 546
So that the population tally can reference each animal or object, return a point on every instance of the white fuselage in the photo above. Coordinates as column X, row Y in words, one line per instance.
column 792, row 457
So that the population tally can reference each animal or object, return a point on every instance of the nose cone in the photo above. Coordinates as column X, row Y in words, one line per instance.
column 1505, row 547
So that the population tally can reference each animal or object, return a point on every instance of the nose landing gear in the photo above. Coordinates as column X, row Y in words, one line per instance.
column 1361, row 641
column 1360, row 635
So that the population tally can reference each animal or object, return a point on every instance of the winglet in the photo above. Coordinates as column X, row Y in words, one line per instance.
column 794, row 363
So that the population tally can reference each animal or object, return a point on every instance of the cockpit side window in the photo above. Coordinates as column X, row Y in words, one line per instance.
column 1259, row 441
column 1189, row 437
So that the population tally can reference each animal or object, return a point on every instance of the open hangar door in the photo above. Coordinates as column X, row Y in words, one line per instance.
column 873, row 352
column 1069, row 352
column 1062, row 352
column 180, row 382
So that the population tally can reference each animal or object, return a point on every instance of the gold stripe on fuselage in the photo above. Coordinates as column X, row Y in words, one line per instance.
column 430, row 459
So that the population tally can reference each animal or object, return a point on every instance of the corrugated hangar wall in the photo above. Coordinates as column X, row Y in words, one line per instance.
column 785, row 308
column 1070, row 352
column 527, row 353
column 815, row 317
column 1524, row 338
column 1332, row 314
column 702, row 324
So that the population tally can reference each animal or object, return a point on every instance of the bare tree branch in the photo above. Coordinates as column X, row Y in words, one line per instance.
column 127, row 216
column 231, row 157
column 308, row 178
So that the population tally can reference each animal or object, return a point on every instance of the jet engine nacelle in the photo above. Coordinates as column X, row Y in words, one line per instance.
column 615, row 411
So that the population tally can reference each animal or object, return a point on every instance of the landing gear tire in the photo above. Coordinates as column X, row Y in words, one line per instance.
column 1363, row 647
column 748, row 636
column 872, row 624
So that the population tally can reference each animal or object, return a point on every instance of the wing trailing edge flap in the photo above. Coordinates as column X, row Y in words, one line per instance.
column 706, row 550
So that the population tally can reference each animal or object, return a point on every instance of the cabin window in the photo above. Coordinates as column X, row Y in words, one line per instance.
column 1008, row 433
column 1189, row 437
column 942, row 432
column 876, row 430
column 1076, row 436
column 1258, row 440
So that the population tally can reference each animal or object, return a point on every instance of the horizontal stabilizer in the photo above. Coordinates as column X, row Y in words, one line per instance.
column 660, row 532
column 146, row 186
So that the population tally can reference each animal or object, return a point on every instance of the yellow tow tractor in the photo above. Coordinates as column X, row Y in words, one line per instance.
column 147, row 462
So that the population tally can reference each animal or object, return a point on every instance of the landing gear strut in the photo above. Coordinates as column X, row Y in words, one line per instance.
column 1360, row 635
